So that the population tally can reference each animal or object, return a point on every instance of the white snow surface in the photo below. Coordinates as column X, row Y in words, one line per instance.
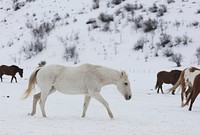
column 147, row 113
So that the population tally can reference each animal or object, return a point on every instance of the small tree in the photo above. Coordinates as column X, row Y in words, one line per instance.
column 197, row 54
column 177, row 58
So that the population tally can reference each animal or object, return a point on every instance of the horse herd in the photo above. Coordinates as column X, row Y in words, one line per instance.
column 88, row 80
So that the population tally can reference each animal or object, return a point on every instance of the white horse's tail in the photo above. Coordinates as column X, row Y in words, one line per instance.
column 31, row 85
column 175, row 85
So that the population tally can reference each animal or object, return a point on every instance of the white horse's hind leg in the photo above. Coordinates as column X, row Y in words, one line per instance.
column 85, row 105
column 36, row 98
column 99, row 98
column 43, row 99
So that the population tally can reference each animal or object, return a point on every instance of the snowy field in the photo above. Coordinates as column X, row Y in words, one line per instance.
column 147, row 113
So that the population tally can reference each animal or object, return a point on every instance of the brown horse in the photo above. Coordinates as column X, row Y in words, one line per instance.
column 194, row 92
column 168, row 78
column 10, row 70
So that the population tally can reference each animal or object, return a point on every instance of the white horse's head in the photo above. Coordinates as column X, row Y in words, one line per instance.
column 123, row 85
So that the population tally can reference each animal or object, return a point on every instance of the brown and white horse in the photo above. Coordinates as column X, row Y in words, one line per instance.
column 194, row 93
column 186, row 79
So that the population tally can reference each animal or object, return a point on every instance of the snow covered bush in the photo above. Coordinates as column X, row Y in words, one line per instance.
column 139, row 44
column 186, row 40
column 42, row 30
column 168, row 52
column 70, row 44
column 33, row 48
column 154, row 8
column 95, row 4
column 150, row 25
column 170, row 1
column 17, row 5
column 178, row 40
column 164, row 40
column 105, row 18
column 138, row 22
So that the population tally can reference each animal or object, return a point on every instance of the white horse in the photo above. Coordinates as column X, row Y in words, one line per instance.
column 86, row 79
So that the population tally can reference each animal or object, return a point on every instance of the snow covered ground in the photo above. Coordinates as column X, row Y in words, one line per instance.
column 146, row 113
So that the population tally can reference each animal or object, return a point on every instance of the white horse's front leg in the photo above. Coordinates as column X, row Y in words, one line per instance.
column 85, row 105
column 99, row 98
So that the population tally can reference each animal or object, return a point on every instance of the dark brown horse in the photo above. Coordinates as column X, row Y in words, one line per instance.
column 194, row 92
column 168, row 78
column 10, row 70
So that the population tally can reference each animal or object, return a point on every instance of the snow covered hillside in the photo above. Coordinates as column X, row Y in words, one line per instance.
column 129, row 32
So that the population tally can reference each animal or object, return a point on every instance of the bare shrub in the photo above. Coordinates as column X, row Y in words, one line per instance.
column 17, row 5
column 39, row 42
column 186, row 40
column 197, row 54
column 168, row 52
column 161, row 10
column 170, row 1
column 106, row 27
column 165, row 39
column 198, row 11
column 71, row 53
column 95, row 4
column 178, row 40
column 40, row 31
column 154, row 8
column 34, row 48
column 129, row 7
column 138, row 22
column 177, row 58
column 195, row 24
column 177, row 24
column 70, row 44
column 105, row 18
column 139, row 44
column 150, row 25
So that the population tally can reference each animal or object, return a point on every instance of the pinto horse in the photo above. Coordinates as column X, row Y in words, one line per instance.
column 194, row 93
column 168, row 78
column 85, row 79
column 10, row 70
column 186, row 79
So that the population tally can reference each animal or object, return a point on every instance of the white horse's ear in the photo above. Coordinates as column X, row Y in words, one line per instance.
column 123, row 73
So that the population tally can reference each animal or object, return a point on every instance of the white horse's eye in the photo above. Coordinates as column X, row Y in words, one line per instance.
column 126, row 84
